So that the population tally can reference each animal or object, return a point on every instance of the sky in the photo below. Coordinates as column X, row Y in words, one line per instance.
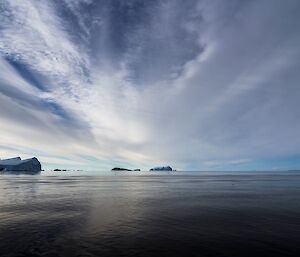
column 197, row 84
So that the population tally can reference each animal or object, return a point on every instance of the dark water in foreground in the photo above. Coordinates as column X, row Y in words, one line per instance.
column 220, row 215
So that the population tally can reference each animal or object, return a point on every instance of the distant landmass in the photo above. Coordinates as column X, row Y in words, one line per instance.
column 17, row 165
column 159, row 168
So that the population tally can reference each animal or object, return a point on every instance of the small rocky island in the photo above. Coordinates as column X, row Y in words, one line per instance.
column 123, row 169
column 17, row 165
column 162, row 168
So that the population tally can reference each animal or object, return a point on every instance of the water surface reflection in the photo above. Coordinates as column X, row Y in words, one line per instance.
column 220, row 215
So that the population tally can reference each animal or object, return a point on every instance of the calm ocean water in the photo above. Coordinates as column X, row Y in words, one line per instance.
column 155, row 215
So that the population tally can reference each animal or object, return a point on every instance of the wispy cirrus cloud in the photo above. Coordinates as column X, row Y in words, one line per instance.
column 196, row 84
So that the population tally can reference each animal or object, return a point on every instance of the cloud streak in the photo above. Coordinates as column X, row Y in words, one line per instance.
column 202, row 84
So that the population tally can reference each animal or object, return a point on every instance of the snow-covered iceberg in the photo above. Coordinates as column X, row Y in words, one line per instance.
column 17, row 165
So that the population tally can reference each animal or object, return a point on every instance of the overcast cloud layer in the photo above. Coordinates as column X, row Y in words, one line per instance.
column 194, row 84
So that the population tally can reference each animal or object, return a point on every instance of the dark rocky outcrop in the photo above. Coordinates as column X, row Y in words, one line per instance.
column 123, row 169
column 117, row 168
column 161, row 168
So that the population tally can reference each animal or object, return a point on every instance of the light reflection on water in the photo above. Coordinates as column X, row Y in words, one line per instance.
column 178, row 215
